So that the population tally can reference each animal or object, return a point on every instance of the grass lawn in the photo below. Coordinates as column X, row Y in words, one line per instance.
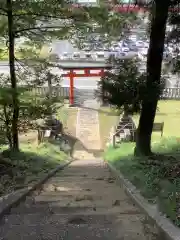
column 108, row 118
column 18, row 170
column 157, row 177
column 169, row 113
column 4, row 55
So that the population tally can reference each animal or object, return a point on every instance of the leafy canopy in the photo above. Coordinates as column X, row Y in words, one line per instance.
column 123, row 86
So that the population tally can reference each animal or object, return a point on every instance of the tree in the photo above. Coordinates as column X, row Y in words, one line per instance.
column 107, row 24
column 30, row 19
column 154, row 63
column 123, row 86
column 32, row 105
column 173, row 35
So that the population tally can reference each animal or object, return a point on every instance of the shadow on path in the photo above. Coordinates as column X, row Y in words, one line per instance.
column 77, row 145
column 82, row 202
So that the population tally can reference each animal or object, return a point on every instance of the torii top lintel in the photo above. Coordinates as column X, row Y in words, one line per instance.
column 88, row 70
column 83, row 67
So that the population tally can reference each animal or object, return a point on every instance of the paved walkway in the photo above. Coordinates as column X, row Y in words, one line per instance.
column 87, row 129
column 81, row 203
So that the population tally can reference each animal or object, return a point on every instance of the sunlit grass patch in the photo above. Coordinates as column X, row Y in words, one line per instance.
column 157, row 177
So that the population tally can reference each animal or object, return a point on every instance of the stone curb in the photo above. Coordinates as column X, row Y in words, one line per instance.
column 166, row 227
column 13, row 199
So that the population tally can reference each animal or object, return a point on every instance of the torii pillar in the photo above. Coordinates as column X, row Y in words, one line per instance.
column 87, row 73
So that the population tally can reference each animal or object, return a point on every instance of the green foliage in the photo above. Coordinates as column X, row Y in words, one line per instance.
column 174, row 37
column 123, row 87
column 157, row 178
column 174, row 21
column 39, row 23
column 32, row 104
column 19, row 169
column 36, row 23
column 109, row 25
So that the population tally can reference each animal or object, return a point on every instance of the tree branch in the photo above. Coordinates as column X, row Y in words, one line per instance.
column 36, row 28
column 2, row 118
column 39, row 15
column 21, row 64
column 3, row 10
column 3, row 14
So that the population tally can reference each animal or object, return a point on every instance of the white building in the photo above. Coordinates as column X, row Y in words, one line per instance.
column 87, row 2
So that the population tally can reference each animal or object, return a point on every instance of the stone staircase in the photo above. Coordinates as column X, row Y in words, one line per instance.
column 87, row 129
column 81, row 95
column 82, row 202
column 125, row 130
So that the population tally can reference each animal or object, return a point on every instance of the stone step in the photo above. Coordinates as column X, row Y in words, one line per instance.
column 79, row 193
column 72, row 203
column 75, row 174
column 85, row 123
column 47, row 207
column 86, row 177
column 63, row 231
column 86, row 114
column 66, row 217
column 65, row 227
column 90, row 116
column 93, row 131
column 76, row 185
column 88, row 121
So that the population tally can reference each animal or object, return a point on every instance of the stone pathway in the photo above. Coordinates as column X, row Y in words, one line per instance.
column 87, row 129
column 81, row 203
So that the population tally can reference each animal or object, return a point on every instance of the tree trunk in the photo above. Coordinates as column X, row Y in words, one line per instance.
column 49, row 78
column 8, row 128
column 13, row 77
column 50, row 93
column 154, row 64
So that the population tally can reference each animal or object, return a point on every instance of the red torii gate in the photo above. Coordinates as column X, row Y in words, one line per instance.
column 71, row 74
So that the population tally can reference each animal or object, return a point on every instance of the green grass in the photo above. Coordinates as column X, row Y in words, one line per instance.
column 4, row 55
column 31, row 163
column 62, row 114
column 158, row 179
column 169, row 113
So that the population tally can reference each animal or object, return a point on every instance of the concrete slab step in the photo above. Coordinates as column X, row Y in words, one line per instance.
column 79, row 175
column 59, row 231
column 68, row 187
column 45, row 208
column 81, row 192
column 84, row 201
column 86, row 181
column 90, row 228
column 77, row 197
column 70, row 218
